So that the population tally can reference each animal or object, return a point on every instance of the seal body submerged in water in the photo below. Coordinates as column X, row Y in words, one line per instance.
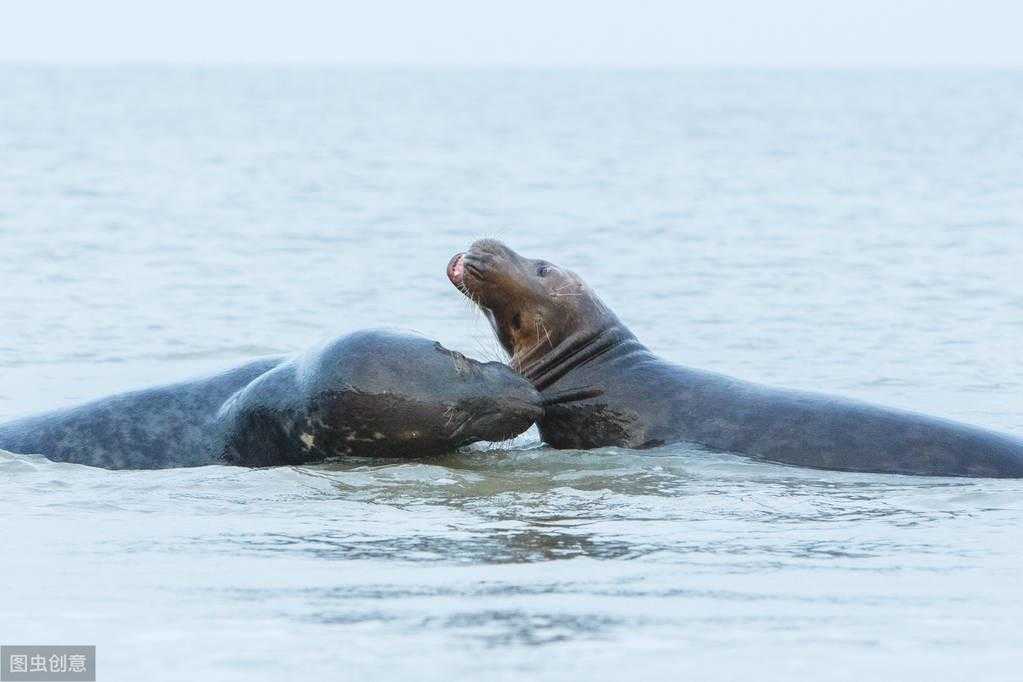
column 560, row 334
column 371, row 393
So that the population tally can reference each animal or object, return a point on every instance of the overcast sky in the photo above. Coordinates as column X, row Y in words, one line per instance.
column 628, row 33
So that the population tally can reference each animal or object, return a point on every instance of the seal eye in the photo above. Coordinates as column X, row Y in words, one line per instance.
column 542, row 269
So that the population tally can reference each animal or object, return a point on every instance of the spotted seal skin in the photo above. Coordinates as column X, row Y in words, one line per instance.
column 374, row 393
column 559, row 334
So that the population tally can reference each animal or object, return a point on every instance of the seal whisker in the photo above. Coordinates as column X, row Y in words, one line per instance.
column 546, row 333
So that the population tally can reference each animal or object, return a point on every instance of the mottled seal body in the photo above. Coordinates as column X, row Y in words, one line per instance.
column 374, row 393
column 560, row 335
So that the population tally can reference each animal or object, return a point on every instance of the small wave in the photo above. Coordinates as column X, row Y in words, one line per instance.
column 12, row 464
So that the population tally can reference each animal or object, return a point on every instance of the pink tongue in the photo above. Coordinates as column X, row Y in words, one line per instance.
column 457, row 270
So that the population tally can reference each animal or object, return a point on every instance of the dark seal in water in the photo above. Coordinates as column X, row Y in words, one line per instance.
column 560, row 334
column 373, row 393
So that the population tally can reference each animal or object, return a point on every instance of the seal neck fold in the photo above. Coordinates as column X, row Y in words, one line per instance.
column 579, row 348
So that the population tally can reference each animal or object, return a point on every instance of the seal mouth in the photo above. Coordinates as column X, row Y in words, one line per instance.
column 456, row 270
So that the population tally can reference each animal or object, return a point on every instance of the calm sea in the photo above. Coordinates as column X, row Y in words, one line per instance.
column 853, row 232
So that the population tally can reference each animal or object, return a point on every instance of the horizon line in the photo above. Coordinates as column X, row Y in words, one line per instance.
column 507, row 66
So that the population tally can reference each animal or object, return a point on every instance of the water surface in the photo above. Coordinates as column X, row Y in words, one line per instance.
column 852, row 232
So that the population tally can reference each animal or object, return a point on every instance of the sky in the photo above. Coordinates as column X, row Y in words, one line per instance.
column 525, row 33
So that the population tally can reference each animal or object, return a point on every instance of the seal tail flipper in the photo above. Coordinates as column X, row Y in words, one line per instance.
column 571, row 395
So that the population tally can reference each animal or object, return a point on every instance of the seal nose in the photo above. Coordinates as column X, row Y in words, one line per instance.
column 528, row 411
column 456, row 269
column 513, row 417
column 519, row 397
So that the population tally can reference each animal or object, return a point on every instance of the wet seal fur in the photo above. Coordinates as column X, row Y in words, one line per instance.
column 559, row 334
column 373, row 393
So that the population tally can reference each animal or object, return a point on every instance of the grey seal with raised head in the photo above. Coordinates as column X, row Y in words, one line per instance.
column 559, row 333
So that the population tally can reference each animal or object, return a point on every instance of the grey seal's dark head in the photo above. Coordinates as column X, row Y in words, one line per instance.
column 385, row 393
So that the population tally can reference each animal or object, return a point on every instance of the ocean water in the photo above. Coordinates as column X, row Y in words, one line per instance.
column 853, row 232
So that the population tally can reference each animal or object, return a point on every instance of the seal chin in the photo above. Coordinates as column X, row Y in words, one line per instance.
column 502, row 427
column 507, row 419
column 456, row 270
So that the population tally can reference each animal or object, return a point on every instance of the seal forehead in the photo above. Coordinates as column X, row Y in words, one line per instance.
column 463, row 367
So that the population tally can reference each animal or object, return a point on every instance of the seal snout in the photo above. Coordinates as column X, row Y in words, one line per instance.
column 510, row 417
column 456, row 269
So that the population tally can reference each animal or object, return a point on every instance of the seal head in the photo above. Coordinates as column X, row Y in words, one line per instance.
column 377, row 393
column 541, row 314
